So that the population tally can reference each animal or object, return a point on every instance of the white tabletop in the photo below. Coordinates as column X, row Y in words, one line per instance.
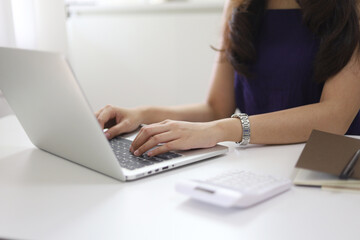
column 45, row 197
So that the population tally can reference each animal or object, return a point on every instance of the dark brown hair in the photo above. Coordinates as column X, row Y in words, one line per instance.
column 334, row 22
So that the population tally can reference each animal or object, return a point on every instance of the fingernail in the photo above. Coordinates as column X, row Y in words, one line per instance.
column 150, row 154
column 131, row 149
column 107, row 135
column 136, row 153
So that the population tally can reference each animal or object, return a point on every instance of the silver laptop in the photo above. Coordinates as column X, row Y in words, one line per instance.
column 50, row 105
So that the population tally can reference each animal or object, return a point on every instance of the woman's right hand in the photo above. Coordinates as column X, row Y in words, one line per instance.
column 118, row 120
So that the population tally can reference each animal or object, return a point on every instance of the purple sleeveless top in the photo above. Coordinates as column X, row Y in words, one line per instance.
column 282, row 76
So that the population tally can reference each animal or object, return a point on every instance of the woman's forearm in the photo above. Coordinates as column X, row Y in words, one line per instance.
column 192, row 113
column 282, row 127
column 288, row 126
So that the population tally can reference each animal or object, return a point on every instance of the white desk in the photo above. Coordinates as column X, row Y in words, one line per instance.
column 45, row 197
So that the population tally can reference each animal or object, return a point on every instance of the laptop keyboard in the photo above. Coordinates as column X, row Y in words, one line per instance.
column 129, row 161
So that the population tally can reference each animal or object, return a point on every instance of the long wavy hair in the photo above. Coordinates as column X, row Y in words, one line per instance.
column 334, row 22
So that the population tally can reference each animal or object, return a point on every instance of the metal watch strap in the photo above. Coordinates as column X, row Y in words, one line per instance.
column 244, row 118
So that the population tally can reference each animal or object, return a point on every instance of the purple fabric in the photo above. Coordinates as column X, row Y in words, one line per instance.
column 282, row 76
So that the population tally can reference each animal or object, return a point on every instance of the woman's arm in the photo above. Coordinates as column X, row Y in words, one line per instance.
column 339, row 104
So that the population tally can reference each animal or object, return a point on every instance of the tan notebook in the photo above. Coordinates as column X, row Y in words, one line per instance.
column 324, row 158
column 305, row 177
column 329, row 153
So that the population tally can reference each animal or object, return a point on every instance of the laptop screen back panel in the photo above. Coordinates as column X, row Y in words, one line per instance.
column 42, row 91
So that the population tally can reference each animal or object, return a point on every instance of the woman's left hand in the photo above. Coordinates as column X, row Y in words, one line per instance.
column 174, row 135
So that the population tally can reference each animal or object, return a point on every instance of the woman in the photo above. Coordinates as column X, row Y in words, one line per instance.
column 294, row 66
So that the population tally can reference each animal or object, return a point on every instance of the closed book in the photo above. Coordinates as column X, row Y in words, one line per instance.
column 329, row 153
column 312, row 178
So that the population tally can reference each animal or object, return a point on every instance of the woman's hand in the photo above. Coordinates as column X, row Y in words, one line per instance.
column 118, row 120
column 175, row 135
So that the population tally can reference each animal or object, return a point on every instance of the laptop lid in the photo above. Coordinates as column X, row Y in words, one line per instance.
column 50, row 105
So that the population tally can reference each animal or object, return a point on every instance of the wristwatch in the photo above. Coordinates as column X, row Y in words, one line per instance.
column 244, row 118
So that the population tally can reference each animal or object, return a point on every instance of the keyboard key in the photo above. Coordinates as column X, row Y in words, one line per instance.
column 129, row 161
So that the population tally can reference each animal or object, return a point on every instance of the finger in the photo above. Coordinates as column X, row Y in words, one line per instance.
column 98, row 113
column 169, row 146
column 112, row 122
column 122, row 127
column 105, row 116
column 154, row 141
column 145, row 133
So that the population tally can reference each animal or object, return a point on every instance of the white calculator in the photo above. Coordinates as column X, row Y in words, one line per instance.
column 234, row 188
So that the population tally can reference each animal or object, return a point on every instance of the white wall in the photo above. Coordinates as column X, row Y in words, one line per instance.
column 7, row 37
column 40, row 24
column 132, row 58
column 32, row 24
column 51, row 25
